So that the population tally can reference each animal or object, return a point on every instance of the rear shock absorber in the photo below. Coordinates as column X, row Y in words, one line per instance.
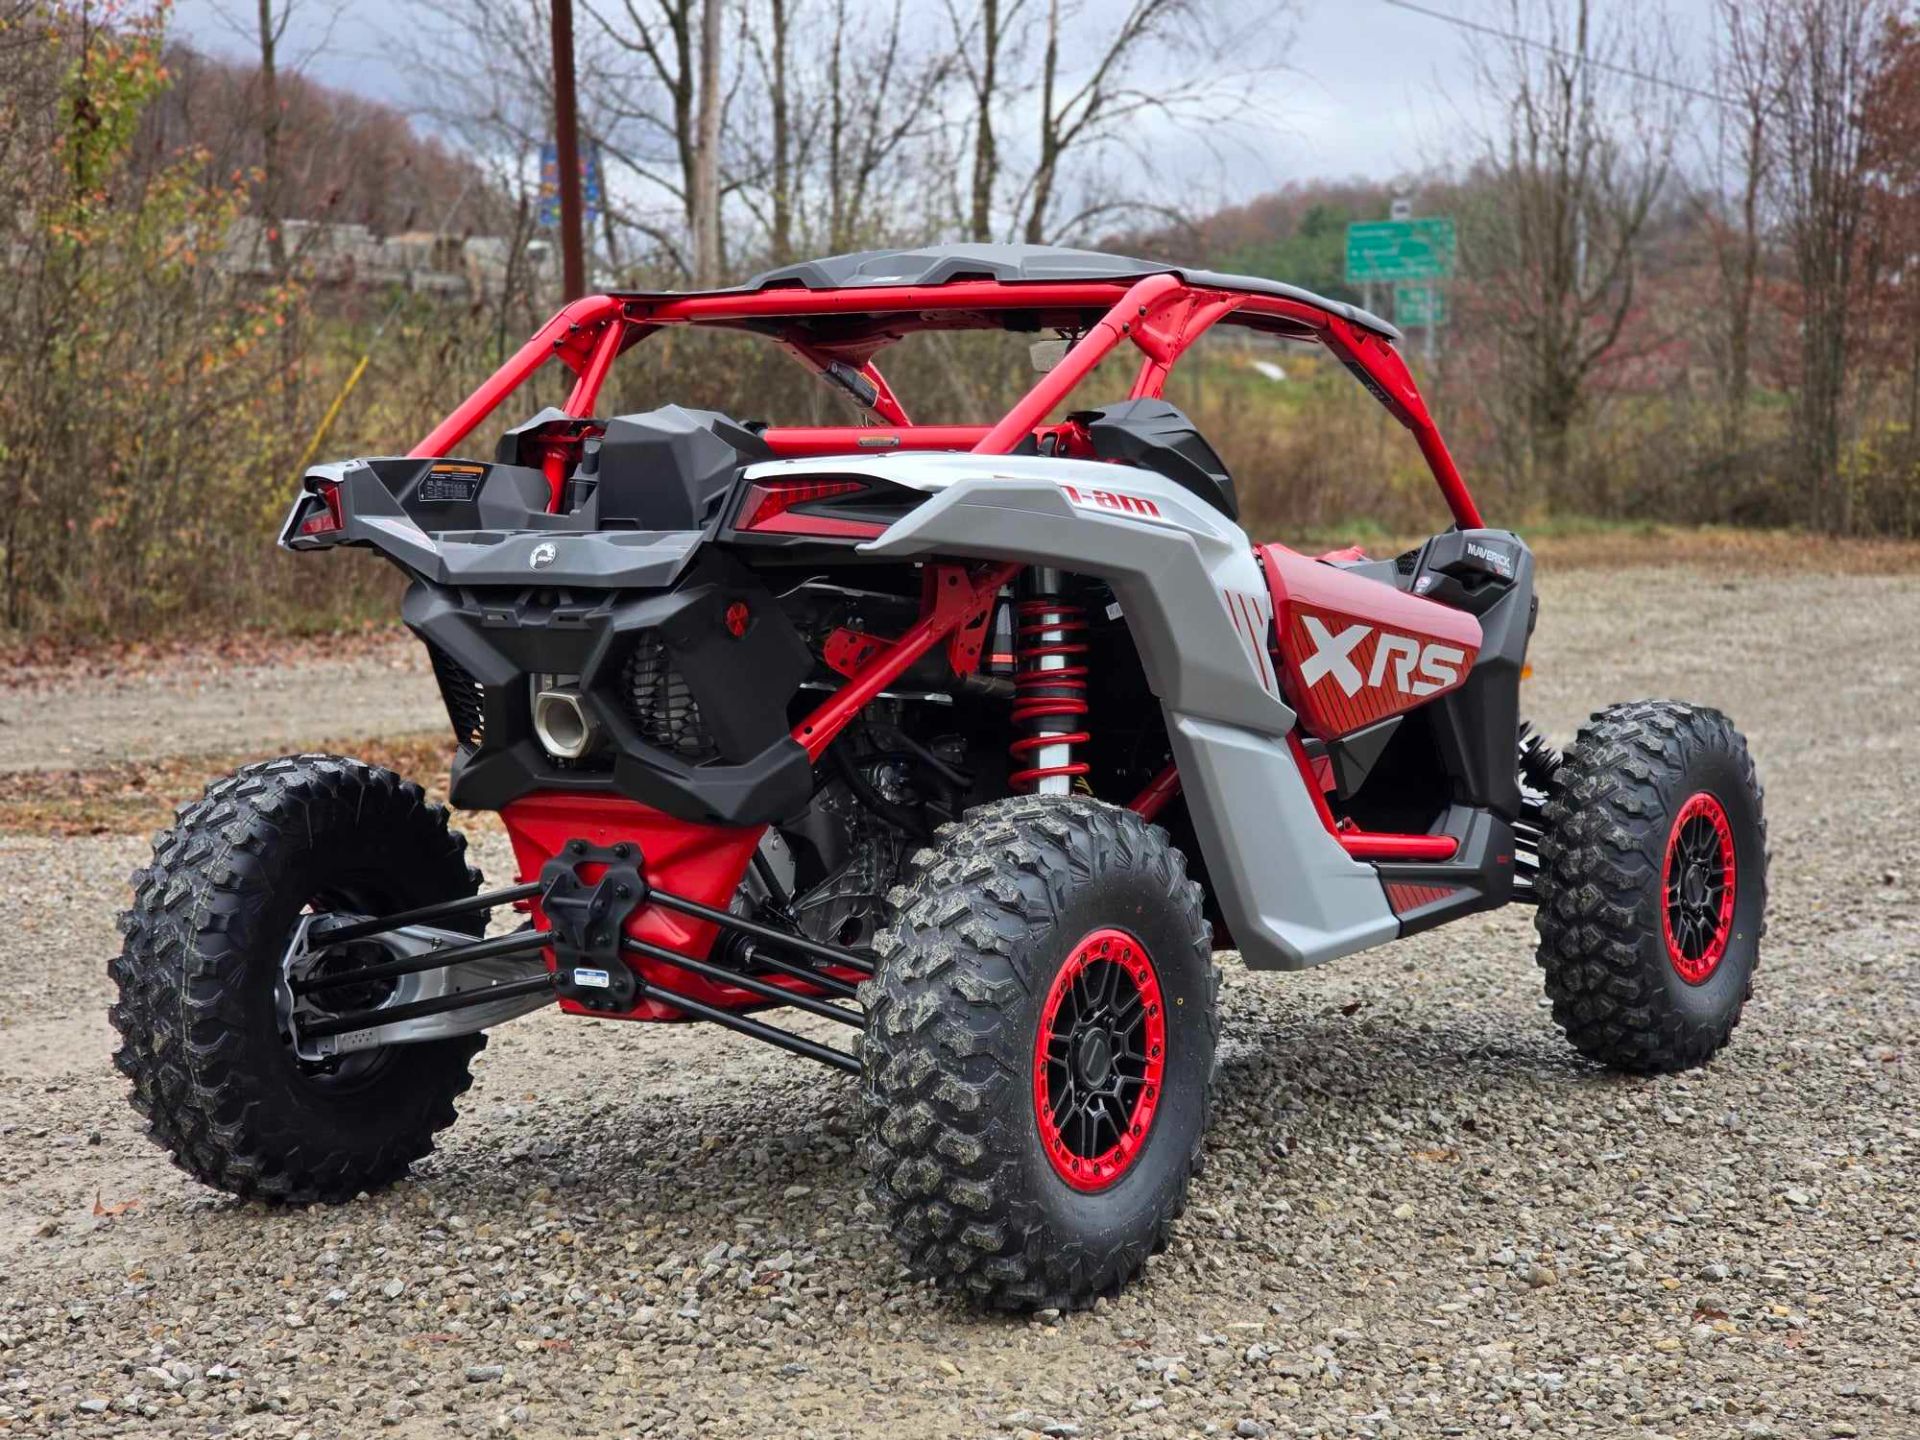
column 1050, row 686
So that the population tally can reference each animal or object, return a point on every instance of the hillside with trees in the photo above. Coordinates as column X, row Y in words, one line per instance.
column 1680, row 297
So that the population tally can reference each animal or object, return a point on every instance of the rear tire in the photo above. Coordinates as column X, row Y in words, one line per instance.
column 211, row 919
column 1039, row 1047
column 1653, row 886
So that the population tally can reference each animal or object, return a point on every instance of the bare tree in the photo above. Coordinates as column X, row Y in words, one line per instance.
column 984, row 32
column 1829, row 58
column 665, row 118
column 703, row 210
column 272, row 203
column 773, row 47
column 1575, row 165
column 1172, row 62
column 500, row 114
column 1099, row 83
column 882, row 103
column 1747, row 74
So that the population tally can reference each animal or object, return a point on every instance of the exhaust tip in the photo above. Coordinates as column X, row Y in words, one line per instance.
column 562, row 725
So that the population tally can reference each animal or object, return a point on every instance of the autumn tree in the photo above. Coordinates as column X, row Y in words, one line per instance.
column 1573, row 166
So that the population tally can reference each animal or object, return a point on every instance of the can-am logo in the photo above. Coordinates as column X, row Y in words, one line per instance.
column 1114, row 501
column 1411, row 666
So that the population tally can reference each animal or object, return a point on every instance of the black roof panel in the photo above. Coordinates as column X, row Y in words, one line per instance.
column 942, row 264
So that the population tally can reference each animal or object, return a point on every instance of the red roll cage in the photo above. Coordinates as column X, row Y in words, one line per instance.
column 1162, row 314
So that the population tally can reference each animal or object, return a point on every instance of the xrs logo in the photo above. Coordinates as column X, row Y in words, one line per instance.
column 1411, row 667
column 1112, row 500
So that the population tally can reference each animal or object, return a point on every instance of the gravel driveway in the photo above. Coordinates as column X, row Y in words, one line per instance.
column 1421, row 1213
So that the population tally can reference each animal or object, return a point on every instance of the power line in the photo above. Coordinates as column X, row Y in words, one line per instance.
column 1482, row 28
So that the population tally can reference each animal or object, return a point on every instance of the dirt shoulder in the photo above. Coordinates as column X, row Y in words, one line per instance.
column 93, row 709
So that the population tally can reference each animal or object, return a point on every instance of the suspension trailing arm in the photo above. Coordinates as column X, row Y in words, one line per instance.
column 432, row 982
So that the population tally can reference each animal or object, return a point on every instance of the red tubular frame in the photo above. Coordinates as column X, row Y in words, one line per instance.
column 1163, row 315
column 957, row 598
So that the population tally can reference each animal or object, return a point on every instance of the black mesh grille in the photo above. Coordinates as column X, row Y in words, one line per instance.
column 466, row 702
column 659, row 703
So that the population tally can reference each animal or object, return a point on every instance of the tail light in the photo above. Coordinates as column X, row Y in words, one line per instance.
column 324, row 518
column 316, row 519
column 771, row 507
column 820, row 507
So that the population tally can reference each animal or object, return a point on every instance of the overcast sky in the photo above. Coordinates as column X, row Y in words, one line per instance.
column 1370, row 89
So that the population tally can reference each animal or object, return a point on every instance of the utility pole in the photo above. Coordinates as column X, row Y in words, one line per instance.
column 566, row 147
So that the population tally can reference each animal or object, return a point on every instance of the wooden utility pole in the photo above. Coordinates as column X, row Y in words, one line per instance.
column 566, row 146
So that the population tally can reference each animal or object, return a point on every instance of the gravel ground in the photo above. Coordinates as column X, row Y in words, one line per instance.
column 1421, row 1214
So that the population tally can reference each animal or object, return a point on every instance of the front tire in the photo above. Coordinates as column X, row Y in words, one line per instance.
column 202, row 1038
column 1039, row 1050
column 1653, row 886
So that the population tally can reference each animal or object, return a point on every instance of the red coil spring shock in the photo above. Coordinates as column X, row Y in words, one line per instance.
column 1050, row 692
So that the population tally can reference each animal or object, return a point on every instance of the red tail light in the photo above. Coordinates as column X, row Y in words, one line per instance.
column 325, row 520
column 769, row 510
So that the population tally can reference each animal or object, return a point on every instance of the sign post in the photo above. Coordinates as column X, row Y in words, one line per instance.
column 1400, row 251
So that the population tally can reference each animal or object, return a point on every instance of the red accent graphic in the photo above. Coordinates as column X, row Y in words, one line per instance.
column 1245, row 612
column 1365, row 845
column 1099, row 1059
column 1354, row 651
column 1403, row 897
column 1697, row 888
column 738, row 618
column 1116, row 501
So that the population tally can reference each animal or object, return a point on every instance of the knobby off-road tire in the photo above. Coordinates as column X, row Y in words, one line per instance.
column 1656, row 816
column 1028, row 912
column 211, row 919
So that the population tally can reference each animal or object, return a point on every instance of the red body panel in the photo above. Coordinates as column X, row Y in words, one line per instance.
column 701, row 862
column 1354, row 651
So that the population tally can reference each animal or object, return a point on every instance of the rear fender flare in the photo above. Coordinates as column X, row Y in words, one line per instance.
column 1196, row 604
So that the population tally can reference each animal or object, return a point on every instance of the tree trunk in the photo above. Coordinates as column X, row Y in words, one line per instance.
column 781, row 239
column 272, row 199
column 1740, row 315
column 706, row 179
column 986, row 157
column 1049, row 159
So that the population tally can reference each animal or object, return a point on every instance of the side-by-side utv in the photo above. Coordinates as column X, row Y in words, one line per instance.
column 968, row 743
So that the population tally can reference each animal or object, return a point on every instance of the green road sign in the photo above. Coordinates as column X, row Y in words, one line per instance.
column 1416, row 306
column 1399, row 250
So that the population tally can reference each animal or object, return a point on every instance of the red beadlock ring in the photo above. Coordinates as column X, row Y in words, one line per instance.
column 1697, row 892
column 1099, row 1060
